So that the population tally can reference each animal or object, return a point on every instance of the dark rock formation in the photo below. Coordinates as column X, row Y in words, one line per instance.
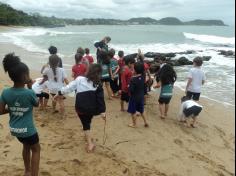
column 227, row 53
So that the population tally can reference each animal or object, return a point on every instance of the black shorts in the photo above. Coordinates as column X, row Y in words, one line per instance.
column 192, row 111
column 43, row 95
column 164, row 100
column 31, row 140
column 105, row 80
column 192, row 95
column 125, row 96
column 53, row 95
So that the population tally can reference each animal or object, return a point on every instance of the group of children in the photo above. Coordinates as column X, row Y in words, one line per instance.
column 127, row 78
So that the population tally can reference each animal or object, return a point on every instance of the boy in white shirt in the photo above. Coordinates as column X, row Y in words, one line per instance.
column 196, row 78
column 189, row 109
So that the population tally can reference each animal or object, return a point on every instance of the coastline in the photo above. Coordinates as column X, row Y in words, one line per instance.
column 166, row 148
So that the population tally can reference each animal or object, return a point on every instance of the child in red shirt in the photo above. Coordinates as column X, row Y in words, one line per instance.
column 79, row 69
column 88, row 56
column 125, row 80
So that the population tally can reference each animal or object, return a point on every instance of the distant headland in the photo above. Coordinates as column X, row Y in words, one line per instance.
column 11, row 16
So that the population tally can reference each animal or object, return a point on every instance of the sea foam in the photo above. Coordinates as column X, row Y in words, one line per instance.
column 211, row 38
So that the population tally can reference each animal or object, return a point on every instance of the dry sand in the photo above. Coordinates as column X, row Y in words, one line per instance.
column 167, row 148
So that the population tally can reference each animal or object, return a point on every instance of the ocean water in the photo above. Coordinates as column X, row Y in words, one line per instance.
column 206, row 40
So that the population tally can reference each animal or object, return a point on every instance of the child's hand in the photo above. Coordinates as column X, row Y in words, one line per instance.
column 156, row 86
column 104, row 116
column 56, row 97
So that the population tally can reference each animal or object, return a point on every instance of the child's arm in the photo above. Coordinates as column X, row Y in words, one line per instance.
column 188, row 84
column 3, row 109
column 117, row 70
column 66, row 81
column 181, row 114
column 110, row 72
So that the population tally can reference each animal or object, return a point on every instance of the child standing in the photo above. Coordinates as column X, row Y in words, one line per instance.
column 166, row 80
column 79, row 69
column 20, row 102
column 196, row 78
column 136, row 89
column 125, row 80
column 89, row 99
column 121, row 64
column 56, row 78
column 115, row 69
column 38, row 87
column 189, row 109
column 106, row 72
column 88, row 56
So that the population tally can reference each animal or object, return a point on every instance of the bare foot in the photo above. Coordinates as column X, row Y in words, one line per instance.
column 122, row 110
column 193, row 126
column 146, row 125
column 91, row 148
column 27, row 174
column 132, row 126
column 162, row 117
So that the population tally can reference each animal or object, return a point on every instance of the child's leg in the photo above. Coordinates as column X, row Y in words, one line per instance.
column 122, row 105
column 86, row 122
column 41, row 103
column 46, row 97
column 54, row 104
column 134, row 118
column 166, row 109
column 162, row 110
column 35, row 159
column 26, row 158
column 194, row 121
column 144, row 119
column 62, row 106
column 89, row 141
column 109, row 91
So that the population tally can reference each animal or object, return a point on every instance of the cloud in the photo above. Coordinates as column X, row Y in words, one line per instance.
column 125, row 9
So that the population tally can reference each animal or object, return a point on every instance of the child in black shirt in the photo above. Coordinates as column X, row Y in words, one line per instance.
column 136, row 89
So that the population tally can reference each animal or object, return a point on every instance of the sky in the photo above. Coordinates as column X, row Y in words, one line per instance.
column 185, row 10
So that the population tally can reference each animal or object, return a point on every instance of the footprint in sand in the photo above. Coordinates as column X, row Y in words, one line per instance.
column 45, row 173
column 178, row 142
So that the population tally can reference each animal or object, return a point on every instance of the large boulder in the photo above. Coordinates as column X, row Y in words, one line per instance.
column 206, row 58
column 227, row 53
column 184, row 61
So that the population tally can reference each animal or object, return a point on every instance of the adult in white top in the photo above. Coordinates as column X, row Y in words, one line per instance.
column 56, row 79
column 189, row 109
column 196, row 78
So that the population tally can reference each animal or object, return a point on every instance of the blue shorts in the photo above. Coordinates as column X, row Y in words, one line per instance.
column 135, row 106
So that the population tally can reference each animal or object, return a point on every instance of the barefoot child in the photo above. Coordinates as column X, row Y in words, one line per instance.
column 166, row 80
column 189, row 109
column 89, row 99
column 79, row 69
column 196, row 78
column 56, row 78
column 19, row 102
column 125, row 79
column 39, row 86
column 136, row 89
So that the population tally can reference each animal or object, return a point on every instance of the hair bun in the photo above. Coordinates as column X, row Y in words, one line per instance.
column 9, row 61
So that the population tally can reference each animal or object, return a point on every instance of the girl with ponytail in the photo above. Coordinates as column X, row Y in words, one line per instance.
column 56, row 78
column 19, row 102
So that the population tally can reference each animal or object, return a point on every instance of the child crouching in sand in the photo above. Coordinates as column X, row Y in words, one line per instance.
column 89, row 99
column 189, row 109
column 19, row 102
column 136, row 89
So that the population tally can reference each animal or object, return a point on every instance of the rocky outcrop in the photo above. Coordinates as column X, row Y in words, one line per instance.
column 227, row 53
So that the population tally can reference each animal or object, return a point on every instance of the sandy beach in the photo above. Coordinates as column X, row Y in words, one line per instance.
column 166, row 148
